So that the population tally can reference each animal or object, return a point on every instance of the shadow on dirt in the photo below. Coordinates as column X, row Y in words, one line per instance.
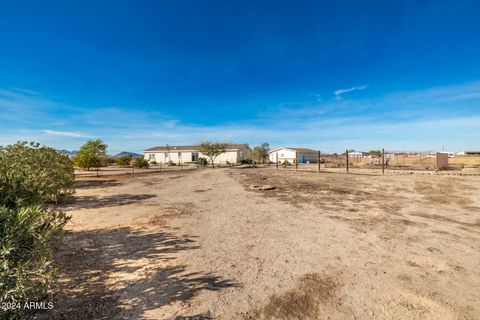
column 91, row 259
column 89, row 202
column 195, row 317
column 96, row 184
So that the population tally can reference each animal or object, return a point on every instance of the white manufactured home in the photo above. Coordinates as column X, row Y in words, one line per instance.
column 235, row 153
column 302, row 155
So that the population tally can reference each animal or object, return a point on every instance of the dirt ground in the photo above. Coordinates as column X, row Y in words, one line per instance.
column 200, row 244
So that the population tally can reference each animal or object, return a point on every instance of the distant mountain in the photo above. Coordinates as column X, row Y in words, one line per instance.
column 68, row 153
column 127, row 154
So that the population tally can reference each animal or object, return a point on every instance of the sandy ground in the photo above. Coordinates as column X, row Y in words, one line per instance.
column 120, row 170
column 200, row 244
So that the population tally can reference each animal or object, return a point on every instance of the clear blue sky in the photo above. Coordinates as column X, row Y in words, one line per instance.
column 322, row 74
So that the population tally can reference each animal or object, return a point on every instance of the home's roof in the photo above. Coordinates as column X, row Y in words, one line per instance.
column 304, row 150
column 190, row 148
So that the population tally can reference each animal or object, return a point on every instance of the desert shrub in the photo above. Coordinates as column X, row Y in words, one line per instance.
column 140, row 163
column 26, row 271
column 106, row 161
column 285, row 163
column 124, row 161
column 86, row 159
column 260, row 154
column 202, row 161
column 31, row 174
column 171, row 163
column 153, row 163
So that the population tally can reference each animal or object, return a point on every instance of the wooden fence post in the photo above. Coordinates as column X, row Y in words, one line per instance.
column 383, row 161
column 318, row 160
column 276, row 159
column 296, row 163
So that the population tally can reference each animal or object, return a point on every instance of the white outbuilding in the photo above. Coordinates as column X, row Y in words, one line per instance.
column 302, row 155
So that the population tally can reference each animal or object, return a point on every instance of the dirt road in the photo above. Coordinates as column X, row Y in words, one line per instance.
column 321, row 246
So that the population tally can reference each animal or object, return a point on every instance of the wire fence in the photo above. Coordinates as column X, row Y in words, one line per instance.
column 380, row 161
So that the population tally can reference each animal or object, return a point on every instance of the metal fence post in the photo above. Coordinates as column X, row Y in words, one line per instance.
column 346, row 154
column 383, row 161
column 318, row 160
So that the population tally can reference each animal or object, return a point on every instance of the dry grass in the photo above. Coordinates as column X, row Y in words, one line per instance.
column 306, row 301
column 465, row 160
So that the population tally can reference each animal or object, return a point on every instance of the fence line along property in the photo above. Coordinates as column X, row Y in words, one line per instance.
column 313, row 160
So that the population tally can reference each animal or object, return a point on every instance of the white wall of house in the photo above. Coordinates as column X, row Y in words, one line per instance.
column 231, row 156
column 164, row 157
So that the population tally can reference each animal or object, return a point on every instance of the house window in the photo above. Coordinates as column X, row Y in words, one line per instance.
column 179, row 156
column 281, row 155
column 151, row 156
column 194, row 156
column 166, row 157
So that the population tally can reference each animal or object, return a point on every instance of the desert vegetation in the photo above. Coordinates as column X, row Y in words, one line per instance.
column 260, row 153
column 31, row 178
column 124, row 161
column 32, row 174
column 140, row 163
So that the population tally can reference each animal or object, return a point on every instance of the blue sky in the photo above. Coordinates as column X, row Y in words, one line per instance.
column 329, row 75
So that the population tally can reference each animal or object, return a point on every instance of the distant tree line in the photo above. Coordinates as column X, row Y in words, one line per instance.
column 93, row 154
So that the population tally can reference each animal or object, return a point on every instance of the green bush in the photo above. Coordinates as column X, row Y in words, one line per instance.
column 202, row 161
column 124, row 161
column 26, row 272
column 31, row 175
column 140, row 163
column 285, row 163
column 106, row 161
